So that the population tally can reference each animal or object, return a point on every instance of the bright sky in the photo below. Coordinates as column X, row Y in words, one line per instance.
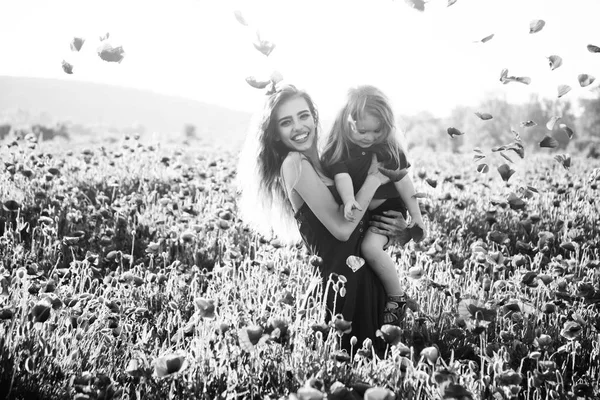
column 197, row 49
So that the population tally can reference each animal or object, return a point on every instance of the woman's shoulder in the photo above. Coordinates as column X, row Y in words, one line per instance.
column 292, row 163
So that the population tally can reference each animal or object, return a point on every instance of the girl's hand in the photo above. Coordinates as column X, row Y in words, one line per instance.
column 375, row 170
column 349, row 208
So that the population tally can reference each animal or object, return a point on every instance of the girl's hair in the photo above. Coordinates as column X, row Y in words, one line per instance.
column 264, row 203
column 361, row 100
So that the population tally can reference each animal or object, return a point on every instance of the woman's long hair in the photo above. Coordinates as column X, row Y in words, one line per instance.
column 361, row 100
column 264, row 204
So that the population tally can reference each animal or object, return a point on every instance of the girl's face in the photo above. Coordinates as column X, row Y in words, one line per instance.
column 295, row 124
column 369, row 131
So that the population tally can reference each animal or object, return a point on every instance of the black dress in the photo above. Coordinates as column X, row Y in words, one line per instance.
column 364, row 301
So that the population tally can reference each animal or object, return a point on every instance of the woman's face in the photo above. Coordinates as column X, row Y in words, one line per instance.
column 295, row 124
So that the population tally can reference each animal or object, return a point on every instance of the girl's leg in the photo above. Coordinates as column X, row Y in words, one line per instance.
column 381, row 262
column 385, row 268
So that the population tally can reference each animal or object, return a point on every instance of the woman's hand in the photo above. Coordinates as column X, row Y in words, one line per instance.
column 392, row 225
column 375, row 170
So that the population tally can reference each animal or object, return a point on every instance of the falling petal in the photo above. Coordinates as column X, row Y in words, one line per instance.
column 483, row 168
column 103, row 38
column 555, row 62
column 416, row 4
column 454, row 132
column 504, row 78
column 593, row 49
column 516, row 134
column 111, row 54
column 431, row 182
column 564, row 160
column 585, row 80
column 484, row 116
column 518, row 148
column 478, row 157
column 68, row 68
column 499, row 148
column 477, row 150
column 487, row 38
column 264, row 46
column 506, row 158
column 567, row 130
column 536, row 25
column 394, row 175
column 355, row 263
column 450, row 2
column 505, row 172
column 420, row 195
column 515, row 202
column 563, row 89
column 76, row 43
column 276, row 77
column 549, row 142
column 240, row 18
column 252, row 81
column 550, row 124
column 528, row 124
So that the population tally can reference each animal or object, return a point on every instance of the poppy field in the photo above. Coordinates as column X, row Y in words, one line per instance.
column 126, row 273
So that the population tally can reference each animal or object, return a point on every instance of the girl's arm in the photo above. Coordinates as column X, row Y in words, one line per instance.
column 317, row 196
column 345, row 188
column 407, row 191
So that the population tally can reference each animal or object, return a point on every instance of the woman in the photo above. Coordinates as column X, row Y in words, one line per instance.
column 285, row 190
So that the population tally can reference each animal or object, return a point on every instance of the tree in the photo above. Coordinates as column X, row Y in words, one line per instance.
column 589, row 122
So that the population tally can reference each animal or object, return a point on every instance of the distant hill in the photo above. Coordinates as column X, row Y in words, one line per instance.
column 104, row 105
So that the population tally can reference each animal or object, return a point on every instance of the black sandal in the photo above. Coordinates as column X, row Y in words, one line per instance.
column 395, row 309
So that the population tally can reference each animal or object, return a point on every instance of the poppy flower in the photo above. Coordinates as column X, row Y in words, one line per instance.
column 391, row 334
column 571, row 330
column 40, row 311
column 251, row 336
column 456, row 392
column 134, row 368
column 206, row 307
column 431, row 354
column 379, row 393
column 309, row 393
column 341, row 325
column 169, row 364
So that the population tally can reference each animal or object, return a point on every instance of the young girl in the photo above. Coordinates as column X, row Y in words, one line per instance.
column 363, row 127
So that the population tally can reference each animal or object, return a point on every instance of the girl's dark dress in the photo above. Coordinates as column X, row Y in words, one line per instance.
column 364, row 301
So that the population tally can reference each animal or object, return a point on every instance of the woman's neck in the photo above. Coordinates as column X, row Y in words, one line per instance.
column 313, row 155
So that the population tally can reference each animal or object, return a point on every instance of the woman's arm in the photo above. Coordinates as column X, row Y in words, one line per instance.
column 317, row 196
